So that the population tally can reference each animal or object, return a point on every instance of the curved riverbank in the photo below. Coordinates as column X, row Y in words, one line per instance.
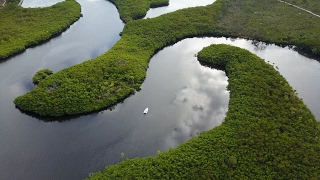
column 133, row 10
column 85, row 88
column 270, row 22
column 81, row 145
column 26, row 27
column 264, row 123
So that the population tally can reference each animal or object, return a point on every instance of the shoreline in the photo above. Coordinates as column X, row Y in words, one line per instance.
column 135, row 48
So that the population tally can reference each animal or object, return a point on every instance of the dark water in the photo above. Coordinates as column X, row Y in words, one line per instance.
column 183, row 98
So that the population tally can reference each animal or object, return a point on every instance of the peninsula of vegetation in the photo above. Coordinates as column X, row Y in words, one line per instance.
column 136, row 9
column 268, row 132
column 24, row 27
column 107, row 79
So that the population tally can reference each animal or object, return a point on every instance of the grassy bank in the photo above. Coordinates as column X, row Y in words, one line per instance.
column 131, row 10
column 268, row 132
column 24, row 27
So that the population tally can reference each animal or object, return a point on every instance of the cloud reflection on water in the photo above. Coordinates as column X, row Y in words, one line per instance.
column 206, row 98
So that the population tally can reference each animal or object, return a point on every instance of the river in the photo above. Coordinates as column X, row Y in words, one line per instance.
column 184, row 100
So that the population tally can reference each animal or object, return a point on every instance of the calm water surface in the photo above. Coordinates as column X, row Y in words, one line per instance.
column 183, row 98
column 176, row 5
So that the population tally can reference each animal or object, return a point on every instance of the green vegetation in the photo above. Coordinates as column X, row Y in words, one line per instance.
column 136, row 9
column 270, row 21
column 103, row 81
column 24, row 27
column 311, row 5
column 41, row 75
column 268, row 132
column 13, row 1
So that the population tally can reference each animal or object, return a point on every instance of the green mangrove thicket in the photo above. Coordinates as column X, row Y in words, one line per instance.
column 103, row 81
column 24, row 27
column 268, row 132
column 270, row 21
column 311, row 5
column 13, row 1
column 136, row 9
column 40, row 75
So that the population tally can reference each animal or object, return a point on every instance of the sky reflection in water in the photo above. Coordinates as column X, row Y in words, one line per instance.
column 200, row 99
column 183, row 98
column 204, row 96
column 176, row 5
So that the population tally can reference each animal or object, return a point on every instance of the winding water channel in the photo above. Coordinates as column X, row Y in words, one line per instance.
column 183, row 98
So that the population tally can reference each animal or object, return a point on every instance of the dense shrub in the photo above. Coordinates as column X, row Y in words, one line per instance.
column 40, row 75
column 271, row 21
column 311, row 5
column 136, row 9
column 105, row 80
column 13, row 1
column 24, row 27
column 268, row 132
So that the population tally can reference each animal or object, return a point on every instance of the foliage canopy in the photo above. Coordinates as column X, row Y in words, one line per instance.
column 105, row 80
column 271, row 21
column 268, row 132
column 131, row 10
column 311, row 5
column 24, row 27
column 41, row 74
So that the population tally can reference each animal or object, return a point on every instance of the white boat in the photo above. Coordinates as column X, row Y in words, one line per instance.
column 145, row 111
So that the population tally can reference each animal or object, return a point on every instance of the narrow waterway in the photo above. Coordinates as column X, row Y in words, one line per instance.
column 183, row 98
column 176, row 5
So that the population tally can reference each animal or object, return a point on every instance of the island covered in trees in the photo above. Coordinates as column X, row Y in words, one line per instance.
column 24, row 27
column 268, row 132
